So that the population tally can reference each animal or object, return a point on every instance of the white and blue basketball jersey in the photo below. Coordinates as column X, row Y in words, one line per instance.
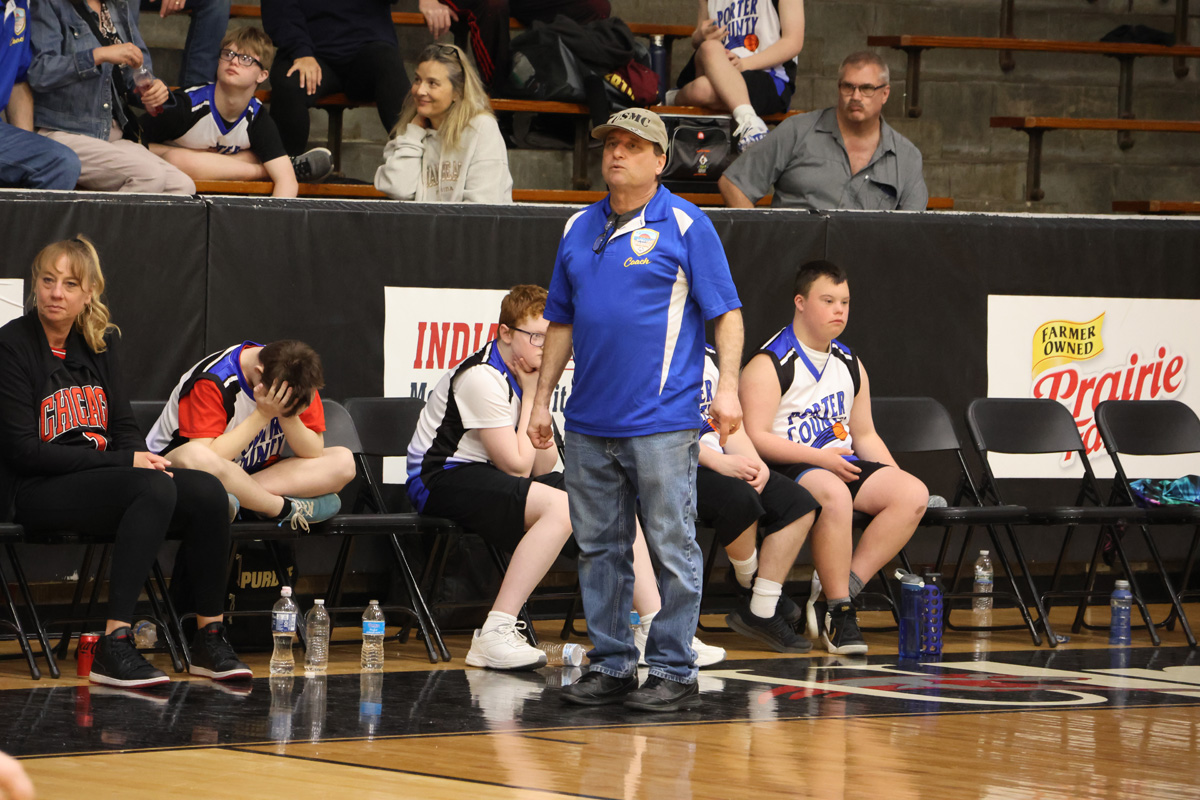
column 709, row 436
column 752, row 26
column 478, row 393
column 208, row 131
column 637, row 298
column 814, row 406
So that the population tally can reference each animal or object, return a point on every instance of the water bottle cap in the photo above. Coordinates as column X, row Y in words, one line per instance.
column 1122, row 584
column 373, row 603
column 285, row 591
column 319, row 602
column 983, row 552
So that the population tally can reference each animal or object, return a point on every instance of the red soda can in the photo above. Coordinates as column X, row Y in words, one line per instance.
column 86, row 654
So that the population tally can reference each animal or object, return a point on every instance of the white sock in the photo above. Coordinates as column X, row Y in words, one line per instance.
column 743, row 114
column 669, row 97
column 495, row 619
column 644, row 621
column 765, row 598
column 744, row 570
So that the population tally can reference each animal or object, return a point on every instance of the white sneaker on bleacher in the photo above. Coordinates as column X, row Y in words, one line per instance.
column 750, row 132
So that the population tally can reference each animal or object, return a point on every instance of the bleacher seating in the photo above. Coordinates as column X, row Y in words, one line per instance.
column 1125, row 53
column 1036, row 127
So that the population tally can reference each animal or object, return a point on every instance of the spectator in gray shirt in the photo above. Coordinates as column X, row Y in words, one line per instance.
column 840, row 157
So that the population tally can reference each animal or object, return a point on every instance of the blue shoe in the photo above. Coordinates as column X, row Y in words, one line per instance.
column 306, row 511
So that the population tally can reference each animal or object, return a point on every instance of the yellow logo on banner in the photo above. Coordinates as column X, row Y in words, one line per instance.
column 1060, row 341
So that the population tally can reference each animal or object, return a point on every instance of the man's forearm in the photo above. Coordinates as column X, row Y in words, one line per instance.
column 729, row 339
column 734, row 197
column 555, row 355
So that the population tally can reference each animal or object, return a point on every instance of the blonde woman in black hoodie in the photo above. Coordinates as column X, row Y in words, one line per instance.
column 73, row 459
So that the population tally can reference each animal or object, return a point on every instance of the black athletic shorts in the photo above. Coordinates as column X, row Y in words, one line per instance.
column 730, row 505
column 760, row 85
column 488, row 502
column 869, row 468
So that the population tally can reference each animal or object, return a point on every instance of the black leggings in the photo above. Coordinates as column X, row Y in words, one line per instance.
column 375, row 72
column 139, row 507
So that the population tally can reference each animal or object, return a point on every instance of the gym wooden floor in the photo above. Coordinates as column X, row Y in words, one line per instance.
column 997, row 718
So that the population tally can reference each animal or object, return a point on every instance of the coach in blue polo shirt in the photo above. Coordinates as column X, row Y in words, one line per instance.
column 27, row 161
column 636, row 276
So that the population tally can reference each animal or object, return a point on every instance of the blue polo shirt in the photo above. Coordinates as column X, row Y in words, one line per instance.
column 638, row 308
column 14, row 49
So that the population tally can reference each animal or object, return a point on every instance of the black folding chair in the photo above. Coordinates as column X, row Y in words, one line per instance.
column 1154, row 428
column 10, row 535
column 1032, row 426
column 922, row 425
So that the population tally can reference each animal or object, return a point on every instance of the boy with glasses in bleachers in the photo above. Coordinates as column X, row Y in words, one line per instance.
column 221, row 132
column 806, row 402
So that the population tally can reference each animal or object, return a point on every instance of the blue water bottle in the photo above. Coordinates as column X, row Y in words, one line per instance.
column 910, row 614
column 931, row 616
column 1121, row 603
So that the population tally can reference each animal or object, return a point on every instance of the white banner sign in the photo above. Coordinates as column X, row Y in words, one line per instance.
column 428, row 332
column 12, row 299
column 1083, row 350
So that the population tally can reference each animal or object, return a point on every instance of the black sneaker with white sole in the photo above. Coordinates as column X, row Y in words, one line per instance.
column 213, row 656
column 313, row 166
column 787, row 606
column 841, row 635
column 774, row 631
column 118, row 663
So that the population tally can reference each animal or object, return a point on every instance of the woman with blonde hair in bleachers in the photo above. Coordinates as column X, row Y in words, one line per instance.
column 447, row 146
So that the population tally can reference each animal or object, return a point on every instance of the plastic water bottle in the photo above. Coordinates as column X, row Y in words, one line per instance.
column 316, row 626
column 283, row 628
column 373, row 627
column 143, row 79
column 984, row 577
column 145, row 635
column 1122, row 606
column 559, row 655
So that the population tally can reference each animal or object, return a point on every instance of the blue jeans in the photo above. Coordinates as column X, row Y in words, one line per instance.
column 606, row 480
column 30, row 161
column 210, row 18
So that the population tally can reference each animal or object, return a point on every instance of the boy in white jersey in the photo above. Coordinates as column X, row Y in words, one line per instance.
column 745, row 61
column 231, row 415
column 804, row 394
column 221, row 131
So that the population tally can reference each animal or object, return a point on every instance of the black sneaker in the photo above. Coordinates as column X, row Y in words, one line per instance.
column 661, row 694
column 118, row 663
column 599, row 689
column 313, row 166
column 841, row 634
column 213, row 657
column 773, row 631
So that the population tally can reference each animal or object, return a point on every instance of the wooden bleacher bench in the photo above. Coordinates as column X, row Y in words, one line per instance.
column 1036, row 127
column 1124, row 53
column 365, row 191
column 1156, row 206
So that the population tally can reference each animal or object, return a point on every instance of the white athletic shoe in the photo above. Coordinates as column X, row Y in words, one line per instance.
column 750, row 132
column 504, row 647
column 812, row 630
column 707, row 655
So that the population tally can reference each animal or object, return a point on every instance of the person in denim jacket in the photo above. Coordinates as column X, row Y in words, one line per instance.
column 74, row 77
